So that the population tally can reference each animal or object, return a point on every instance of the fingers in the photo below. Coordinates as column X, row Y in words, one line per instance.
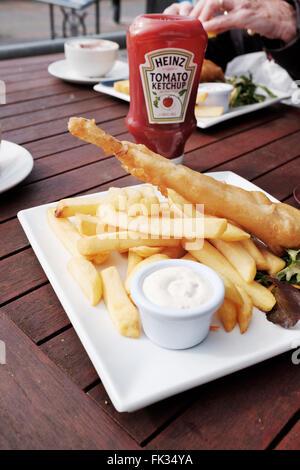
column 210, row 8
column 233, row 20
column 172, row 9
column 206, row 9
column 185, row 8
column 198, row 8
column 182, row 9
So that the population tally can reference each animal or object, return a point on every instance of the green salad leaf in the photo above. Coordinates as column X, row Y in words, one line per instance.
column 291, row 272
column 245, row 91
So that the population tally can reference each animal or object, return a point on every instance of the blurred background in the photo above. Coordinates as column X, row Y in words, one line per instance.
column 29, row 20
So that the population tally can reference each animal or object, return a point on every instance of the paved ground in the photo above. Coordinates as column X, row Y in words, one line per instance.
column 26, row 20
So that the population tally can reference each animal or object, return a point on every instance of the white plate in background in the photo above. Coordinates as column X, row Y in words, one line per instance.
column 61, row 69
column 136, row 372
column 207, row 122
column 15, row 164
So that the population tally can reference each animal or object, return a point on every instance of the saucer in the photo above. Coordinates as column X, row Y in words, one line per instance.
column 15, row 164
column 61, row 69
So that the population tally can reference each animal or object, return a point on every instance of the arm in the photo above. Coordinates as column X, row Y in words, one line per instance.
column 275, row 22
column 287, row 54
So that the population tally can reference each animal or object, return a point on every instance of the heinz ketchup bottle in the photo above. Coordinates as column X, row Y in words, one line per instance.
column 165, row 58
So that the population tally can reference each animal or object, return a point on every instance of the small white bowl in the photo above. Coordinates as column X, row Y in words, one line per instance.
column 218, row 94
column 91, row 57
column 180, row 328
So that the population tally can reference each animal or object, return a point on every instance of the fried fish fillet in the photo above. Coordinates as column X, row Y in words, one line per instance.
column 211, row 72
column 276, row 224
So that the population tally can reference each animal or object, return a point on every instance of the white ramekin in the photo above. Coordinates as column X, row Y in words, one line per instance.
column 180, row 328
column 218, row 94
column 91, row 62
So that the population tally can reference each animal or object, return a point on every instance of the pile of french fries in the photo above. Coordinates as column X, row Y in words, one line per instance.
column 121, row 221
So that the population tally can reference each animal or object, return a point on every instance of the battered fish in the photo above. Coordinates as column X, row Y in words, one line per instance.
column 276, row 224
column 211, row 72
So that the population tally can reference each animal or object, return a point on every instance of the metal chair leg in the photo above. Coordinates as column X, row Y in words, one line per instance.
column 52, row 26
column 97, row 16
column 116, row 10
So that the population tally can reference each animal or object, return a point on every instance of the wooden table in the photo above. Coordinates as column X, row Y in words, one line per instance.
column 50, row 394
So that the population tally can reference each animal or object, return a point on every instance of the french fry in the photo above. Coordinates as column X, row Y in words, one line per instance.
column 100, row 258
column 82, row 205
column 244, row 311
column 163, row 227
column 119, row 241
column 236, row 254
column 232, row 233
column 201, row 97
column 148, row 192
column 275, row 264
column 133, row 260
column 190, row 257
column 87, row 277
column 174, row 251
column 139, row 208
column 209, row 255
column 145, row 262
column 118, row 198
column 208, row 111
column 249, row 245
column 69, row 236
column 133, row 196
column 228, row 315
column 65, row 231
column 86, row 224
column 146, row 251
column 231, row 292
column 123, row 198
column 122, row 86
column 102, row 228
column 122, row 311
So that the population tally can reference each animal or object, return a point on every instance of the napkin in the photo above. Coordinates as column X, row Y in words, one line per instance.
column 266, row 72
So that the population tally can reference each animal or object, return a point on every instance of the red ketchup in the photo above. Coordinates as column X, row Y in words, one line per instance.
column 165, row 58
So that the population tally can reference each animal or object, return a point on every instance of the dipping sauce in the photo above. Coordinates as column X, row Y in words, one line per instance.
column 176, row 288
column 218, row 94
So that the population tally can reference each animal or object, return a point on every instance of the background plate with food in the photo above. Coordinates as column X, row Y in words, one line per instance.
column 203, row 122
column 210, row 109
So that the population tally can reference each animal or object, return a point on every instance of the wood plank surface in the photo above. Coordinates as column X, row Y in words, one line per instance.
column 260, row 161
column 40, row 408
column 67, row 352
column 143, row 424
column 39, row 314
column 19, row 273
column 26, row 107
column 292, row 440
column 245, row 410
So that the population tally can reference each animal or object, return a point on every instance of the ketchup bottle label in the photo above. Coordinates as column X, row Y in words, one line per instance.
column 167, row 77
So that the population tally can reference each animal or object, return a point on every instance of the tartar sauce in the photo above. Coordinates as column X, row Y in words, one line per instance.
column 176, row 288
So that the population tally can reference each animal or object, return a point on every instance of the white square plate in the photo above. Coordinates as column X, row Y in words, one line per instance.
column 136, row 372
column 208, row 122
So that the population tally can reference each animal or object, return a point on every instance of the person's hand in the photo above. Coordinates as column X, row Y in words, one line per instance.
column 183, row 9
column 274, row 19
